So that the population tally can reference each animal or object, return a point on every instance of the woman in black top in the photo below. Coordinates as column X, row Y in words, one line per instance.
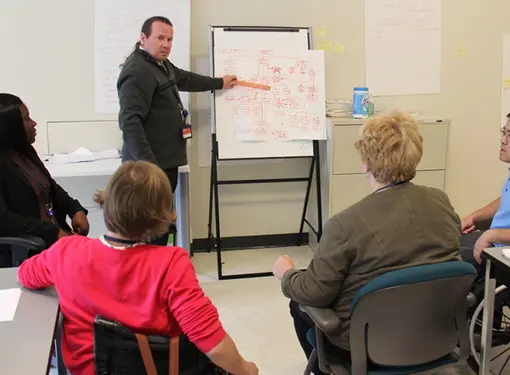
column 31, row 202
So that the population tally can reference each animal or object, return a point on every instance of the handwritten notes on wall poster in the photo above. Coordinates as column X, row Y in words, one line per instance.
column 403, row 46
column 505, row 80
column 117, row 29
column 293, row 109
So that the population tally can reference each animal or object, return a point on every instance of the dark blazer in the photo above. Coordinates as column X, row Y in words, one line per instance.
column 149, row 115
column 19, row 206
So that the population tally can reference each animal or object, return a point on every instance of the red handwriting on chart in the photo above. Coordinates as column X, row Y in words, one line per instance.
column 294, row 120
column 293, row 89
column 304, row 122
column 317, row 125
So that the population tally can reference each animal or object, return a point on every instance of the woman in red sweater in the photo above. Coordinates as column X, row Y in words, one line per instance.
column 151, row 289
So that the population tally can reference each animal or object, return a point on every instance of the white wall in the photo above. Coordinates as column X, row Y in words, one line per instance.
column 470, row 92
column 470, row 97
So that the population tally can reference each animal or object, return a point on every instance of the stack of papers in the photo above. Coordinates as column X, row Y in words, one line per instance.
column 84, row 155
column 339, row 108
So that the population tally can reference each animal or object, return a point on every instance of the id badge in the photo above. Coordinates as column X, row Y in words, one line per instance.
column 186, row 132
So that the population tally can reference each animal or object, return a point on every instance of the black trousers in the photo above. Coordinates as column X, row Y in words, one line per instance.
column 302, row 324
column 172, row 175
column 467, row 244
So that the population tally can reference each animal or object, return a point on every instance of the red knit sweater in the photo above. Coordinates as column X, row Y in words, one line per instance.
column 150, row 289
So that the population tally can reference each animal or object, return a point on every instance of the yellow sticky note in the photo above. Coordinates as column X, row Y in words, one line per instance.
column 321, row 32
column 506, row 83
column 461, row 52
column 325, row 45
column 339, row 49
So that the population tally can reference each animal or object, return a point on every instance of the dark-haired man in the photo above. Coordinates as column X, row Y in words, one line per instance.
column 474, row 240
column 497, row 212
column 154, row 123
column 152, row 118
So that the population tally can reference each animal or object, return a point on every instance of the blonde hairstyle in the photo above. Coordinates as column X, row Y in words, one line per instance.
column 391, row 147
column 137, row 201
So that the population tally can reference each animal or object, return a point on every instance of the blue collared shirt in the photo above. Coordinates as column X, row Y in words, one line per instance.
column 502, row 218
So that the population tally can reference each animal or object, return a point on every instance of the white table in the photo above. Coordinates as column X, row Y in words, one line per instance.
column 107, row 167
column 497, row 269
column 27, row 341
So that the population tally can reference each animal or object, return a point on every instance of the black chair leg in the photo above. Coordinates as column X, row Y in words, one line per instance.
column 311, row 362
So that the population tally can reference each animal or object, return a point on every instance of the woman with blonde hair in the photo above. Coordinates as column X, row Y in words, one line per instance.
column 150, row 289
column 398, row 225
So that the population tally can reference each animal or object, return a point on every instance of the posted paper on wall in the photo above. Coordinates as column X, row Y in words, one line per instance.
column 505, row 80
column 403, row 46
column 294, row 107
column 117, row 29
column 9, row 300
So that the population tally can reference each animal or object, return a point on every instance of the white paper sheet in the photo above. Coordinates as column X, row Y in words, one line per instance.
column 294, row 108
column 403, row 46
column 117, row 29
column 9, row 300
column 84, row 155
column 505, row 80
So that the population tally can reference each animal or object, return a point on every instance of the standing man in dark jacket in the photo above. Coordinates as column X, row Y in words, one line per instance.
column 153, row 121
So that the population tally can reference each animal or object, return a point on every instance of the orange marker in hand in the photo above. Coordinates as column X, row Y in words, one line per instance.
column 252, row 85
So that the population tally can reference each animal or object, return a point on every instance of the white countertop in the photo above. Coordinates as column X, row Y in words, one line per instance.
column 349, row 121
column 103, row 167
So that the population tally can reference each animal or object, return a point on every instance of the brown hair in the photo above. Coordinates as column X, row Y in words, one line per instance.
column 391, row 147
column 137, row 201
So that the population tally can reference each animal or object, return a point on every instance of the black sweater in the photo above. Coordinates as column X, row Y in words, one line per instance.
column 19, row 205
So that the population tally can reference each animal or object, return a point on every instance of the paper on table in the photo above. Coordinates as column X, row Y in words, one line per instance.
column 84, row 155
column 9, row 299
column 506, row 253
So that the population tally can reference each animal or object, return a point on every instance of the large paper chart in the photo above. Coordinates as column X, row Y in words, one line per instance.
column 294, row 107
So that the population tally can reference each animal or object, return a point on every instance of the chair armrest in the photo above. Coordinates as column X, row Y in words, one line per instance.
column 325, row 319
column 28, row 242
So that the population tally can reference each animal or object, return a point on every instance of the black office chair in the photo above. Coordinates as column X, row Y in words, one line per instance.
column 404, row 322
column 119, row 351
column 21, row 247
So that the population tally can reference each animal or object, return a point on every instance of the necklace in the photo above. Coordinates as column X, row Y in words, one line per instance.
column 129, row 243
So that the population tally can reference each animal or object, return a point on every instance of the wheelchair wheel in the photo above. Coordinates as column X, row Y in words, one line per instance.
column 500, row 336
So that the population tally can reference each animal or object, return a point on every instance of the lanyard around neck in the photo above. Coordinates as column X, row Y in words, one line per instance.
column 128, row 243
column 386, row 187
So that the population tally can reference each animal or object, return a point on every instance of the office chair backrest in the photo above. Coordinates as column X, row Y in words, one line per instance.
column 119, row 351
column 14, row 250
column 411, row 316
